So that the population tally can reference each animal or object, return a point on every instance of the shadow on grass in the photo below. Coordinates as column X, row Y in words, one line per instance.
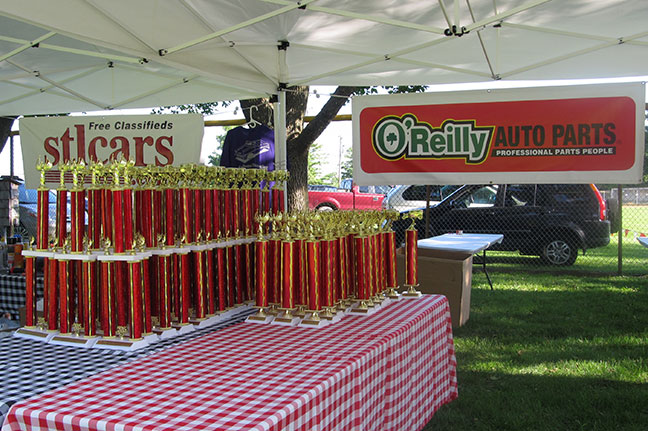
column 496, row 401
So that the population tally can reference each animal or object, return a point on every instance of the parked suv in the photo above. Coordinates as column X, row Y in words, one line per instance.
column 552, row 221
column 408, row 197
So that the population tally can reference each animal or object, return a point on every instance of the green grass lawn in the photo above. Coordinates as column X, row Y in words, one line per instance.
column 602, row 260
column 552, row 352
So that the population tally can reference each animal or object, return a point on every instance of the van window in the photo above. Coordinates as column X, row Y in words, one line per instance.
column 519, row 195
column 483, row 196
column 566, row 194
column 414, row 193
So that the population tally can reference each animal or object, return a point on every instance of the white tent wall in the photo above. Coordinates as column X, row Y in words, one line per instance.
column 85, row 55
column 191, row 50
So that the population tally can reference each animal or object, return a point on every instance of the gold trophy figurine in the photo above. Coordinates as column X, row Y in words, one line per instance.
column 43, row 167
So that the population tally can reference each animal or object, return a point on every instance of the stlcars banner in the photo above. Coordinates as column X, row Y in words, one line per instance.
column 576, row 134
column 157, row 140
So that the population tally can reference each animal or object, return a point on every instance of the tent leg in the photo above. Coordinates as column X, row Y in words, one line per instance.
column 280, row 136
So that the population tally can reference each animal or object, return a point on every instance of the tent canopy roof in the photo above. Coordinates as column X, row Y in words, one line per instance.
column 83, row 55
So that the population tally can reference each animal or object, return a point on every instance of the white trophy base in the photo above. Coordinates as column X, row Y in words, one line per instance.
column 356, row 310
column 259, row 319
column 229, row 312
column 210, row 320
column 73, row 340
column 315, row 324
column 34, row 334
column 183, row 328
column 152, row 338
column 394, row 297
column 385, row 302
column 286, row 321
column 164, row 333
column 123, row 344
column 204, row 322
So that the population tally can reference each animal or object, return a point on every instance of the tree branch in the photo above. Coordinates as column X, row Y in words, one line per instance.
column 323, row 118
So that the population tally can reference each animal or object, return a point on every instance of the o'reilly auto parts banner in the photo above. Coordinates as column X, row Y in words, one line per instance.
column 157, row 140
column 575, row 134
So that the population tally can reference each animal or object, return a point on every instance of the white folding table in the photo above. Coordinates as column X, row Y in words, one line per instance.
column 468, row 243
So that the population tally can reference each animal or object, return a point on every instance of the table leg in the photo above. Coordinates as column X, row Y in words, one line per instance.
column 485, row 271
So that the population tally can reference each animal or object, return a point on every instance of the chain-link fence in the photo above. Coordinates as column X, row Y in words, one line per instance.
column 546, row 227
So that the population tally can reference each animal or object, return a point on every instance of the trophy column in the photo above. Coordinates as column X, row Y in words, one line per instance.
column 411, row 262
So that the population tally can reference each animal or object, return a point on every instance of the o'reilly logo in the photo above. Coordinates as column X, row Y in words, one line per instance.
column 396, row 137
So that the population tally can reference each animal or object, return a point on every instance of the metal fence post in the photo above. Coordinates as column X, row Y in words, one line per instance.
column 620, row 228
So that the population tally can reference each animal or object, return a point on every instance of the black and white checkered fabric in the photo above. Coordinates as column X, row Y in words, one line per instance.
column 12, row 293
column 29, row 367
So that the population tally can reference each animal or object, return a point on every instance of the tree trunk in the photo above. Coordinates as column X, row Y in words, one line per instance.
column 299, row 146
column 298, row 181
column 298, row 138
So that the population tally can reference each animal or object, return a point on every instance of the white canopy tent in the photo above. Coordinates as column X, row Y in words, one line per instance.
column 83, row 55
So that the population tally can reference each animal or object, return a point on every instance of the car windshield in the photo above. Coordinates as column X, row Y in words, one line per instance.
column 383, row 189
column 473, row 196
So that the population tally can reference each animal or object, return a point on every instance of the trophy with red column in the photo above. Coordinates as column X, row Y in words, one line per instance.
column 261, row 274
column 342, row 261
column 76, row 288
column 300, row 287
column 209, row 177
column 199, row 247
column 411, row 259
column 313, row 278
column 164, row 255
column 274, row 270
column 36, row 328
column 363, row 225
column 248, row 227
column 287, row 271
column 390, row 256
column 183, row 271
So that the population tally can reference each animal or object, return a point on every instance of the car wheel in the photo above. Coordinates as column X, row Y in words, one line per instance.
column 326, row 207
column 559, row 252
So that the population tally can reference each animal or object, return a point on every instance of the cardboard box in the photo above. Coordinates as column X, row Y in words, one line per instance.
column 448, row 274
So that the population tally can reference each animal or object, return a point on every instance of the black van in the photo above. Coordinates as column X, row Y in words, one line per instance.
column 552, row 221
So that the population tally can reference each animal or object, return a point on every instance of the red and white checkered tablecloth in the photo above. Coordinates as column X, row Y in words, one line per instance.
column 389, row 371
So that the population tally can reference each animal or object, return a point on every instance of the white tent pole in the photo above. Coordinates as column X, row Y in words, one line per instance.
column 501, row 16
column 115, row 20
column 364, row 17
column 445, row 13
column 481, row 42
column 84, row 52
column 152, row 92
column 570, row 55
column 27, row 46
column 281, row 161
column 238, row 26
column 191, row 8
column 76, row 94
column 38, row 90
